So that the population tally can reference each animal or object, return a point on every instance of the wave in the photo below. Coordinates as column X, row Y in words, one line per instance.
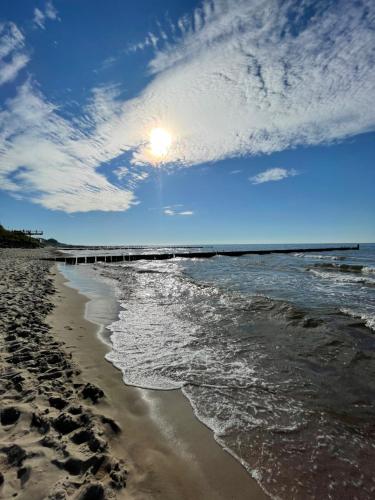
column 347, row 268
column 319, row 256
column 250, row 369
column 343, row 278
column 367, row 318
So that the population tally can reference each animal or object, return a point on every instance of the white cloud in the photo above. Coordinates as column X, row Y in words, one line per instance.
column 133, row 177
column 40, row 17
column 9, row 71
column 151, row 40
column 173, row 210
column 53, row 161
column 242, row 77
column 258, row 76
column 121, row 172
column 273, row 174
column 12, row 55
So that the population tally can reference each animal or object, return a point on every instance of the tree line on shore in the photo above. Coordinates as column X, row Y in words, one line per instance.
column 18, row 239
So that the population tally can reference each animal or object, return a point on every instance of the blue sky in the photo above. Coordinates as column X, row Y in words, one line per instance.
column 263, row 111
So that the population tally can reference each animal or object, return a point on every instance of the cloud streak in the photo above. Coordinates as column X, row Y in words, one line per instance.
column 12, row 56
column 174, row 210
column 273, row 174
column 41, row 17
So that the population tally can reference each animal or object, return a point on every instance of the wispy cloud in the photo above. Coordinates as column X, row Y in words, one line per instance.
column 132, row 177
column 259, row 76
column 273, row 174
column 175, row 210
column 236, row 78
column 151, row 40
column 12, row 55
column 53, row 161
column 42, row 16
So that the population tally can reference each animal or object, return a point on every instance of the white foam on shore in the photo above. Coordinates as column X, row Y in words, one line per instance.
column 367, row 318
column 318, row 256
column 126, row 340
column 342, row 278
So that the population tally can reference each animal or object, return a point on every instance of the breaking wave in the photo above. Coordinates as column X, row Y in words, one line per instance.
column 261, row 373
column 367, row 318
column 319, row 257
column 343, row 278
column 347, row 268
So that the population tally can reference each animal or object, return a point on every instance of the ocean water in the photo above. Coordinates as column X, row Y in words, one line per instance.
column 275, row 353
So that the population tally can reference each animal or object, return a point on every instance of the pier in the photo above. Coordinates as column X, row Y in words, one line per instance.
column 91, row 259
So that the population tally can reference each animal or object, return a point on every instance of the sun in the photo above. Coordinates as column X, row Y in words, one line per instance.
column 160, row 142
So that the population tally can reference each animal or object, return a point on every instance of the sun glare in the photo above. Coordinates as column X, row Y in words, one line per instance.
column 160, row 142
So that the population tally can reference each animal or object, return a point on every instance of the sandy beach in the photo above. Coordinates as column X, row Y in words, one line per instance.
column 71, row 428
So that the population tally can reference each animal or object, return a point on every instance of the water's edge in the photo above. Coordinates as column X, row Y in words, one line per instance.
column 103, row 309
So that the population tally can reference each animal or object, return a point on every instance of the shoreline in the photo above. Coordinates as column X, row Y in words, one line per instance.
column 168, row 452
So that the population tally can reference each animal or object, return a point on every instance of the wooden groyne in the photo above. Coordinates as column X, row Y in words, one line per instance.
column 125, row 248
column 91, row 259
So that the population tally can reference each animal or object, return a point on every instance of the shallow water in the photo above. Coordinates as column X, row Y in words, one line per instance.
column 275, row 354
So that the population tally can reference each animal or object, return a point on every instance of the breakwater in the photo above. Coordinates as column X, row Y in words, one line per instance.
column 91, row 259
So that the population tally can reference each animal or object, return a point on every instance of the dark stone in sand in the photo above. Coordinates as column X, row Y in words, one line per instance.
column 90, row 391
column 9, row 416
column 93, row 492
column 65, row 424
column 57, row 402
column 1, row 478
column 15, row 454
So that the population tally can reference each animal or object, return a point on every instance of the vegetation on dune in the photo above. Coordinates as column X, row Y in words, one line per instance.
column 18, row 239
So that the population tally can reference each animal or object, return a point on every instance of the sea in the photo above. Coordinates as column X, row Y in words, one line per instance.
column 275, row 353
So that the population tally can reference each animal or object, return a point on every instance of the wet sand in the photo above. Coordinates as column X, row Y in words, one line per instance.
column 168, row 453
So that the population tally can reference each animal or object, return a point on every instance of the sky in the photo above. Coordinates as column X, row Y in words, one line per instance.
column 176, row 121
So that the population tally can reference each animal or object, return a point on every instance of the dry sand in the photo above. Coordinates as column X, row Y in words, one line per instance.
column 159, row 449
column 54, row 443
